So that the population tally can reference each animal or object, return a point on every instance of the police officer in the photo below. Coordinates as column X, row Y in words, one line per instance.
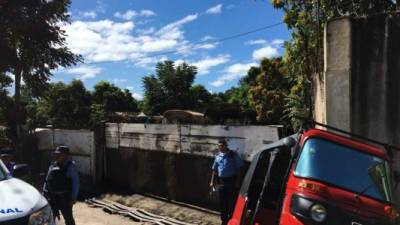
column 62, row 184
column 226, row 176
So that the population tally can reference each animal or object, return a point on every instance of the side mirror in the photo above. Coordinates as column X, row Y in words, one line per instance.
column 21, row 171
column 289, row 142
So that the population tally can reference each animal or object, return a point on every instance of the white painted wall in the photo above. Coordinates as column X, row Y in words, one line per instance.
column 80, row 142
column 191, row 139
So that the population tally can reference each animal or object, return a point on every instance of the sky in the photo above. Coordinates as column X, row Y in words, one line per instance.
column 122, row 40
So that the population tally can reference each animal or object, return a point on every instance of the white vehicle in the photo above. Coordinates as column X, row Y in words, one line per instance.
column 21, row 203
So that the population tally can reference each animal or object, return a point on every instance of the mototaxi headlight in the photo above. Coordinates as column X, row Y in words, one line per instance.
column 318, row 213
column 43, row 216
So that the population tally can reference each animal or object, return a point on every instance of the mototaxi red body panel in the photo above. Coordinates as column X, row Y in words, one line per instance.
column 346, row 201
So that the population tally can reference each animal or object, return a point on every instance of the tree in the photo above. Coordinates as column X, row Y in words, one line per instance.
column 267, row 95
column 303, row 54
column 200, row 98
column 170, row 89
column 33, row 44
column 240, row 95
column 113, row 98
column 68, row 106
column 108, row 99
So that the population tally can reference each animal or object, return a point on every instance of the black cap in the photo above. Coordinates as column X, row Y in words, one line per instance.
column 61, row 149
column 222, row 141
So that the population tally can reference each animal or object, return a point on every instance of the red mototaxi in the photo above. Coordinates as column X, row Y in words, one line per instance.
column 317, row 177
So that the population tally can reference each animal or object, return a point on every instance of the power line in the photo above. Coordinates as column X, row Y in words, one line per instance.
column 193, row 45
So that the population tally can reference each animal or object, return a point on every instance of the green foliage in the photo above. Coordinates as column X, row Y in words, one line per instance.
column 98, row 114
column 153, row 102
column 32, row 44
column 72, row 106
column 303, row 55
column 63, row 106
column 200, row 98
column 240, row 95
column 170, row 88
column 113, row 98
column 32, row 35
column 69, row 105
column 268, row 93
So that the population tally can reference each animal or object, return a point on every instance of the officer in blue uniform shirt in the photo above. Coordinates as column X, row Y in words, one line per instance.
column 226, row 176
column 62, row 184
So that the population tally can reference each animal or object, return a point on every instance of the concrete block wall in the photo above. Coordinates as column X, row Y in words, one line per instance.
column 361, row 77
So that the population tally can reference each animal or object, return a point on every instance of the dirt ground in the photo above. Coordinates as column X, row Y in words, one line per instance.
column 86, row 215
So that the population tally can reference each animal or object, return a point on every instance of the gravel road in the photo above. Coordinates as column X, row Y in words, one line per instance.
column 85, row 215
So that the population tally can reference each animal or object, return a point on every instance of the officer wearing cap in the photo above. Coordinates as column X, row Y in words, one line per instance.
column 226, row 175
column 62, row 184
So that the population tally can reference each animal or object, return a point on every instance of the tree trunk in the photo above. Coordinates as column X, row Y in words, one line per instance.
column 17, row 103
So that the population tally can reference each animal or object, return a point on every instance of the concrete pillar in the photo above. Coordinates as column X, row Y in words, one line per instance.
column 337, row 73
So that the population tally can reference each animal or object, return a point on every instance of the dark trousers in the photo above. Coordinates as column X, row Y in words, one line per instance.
column 62, row 203
column 227, row 197
column 66, row 211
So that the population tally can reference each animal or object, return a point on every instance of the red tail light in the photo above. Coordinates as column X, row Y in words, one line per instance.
column 391, row 212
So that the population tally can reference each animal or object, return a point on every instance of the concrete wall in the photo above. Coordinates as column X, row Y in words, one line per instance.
column 337, row 73
column 362, row 83
column 173, row 160
column 80, row 142
column 191, row 139
column 319, row 99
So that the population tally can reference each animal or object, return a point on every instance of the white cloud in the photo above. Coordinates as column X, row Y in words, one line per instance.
column 84, row 72
column 147, row 13
column 215, row 9
column 207, row 38
column 106, row 40
column 89, row 14
column 204, row 65
column 175, row 25
column 136, row 96
column 206, row 46
column 146, row 31
column 118, row 81
column 146, row 62
column 277, row 42
column 256, row 42
column 92, row 14
column 56, row 80
column 233, row 72
column 102, row 40
column 128, row 15
column 265, row 52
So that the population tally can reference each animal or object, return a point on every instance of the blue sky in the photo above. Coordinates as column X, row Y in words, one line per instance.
column 119, row 39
